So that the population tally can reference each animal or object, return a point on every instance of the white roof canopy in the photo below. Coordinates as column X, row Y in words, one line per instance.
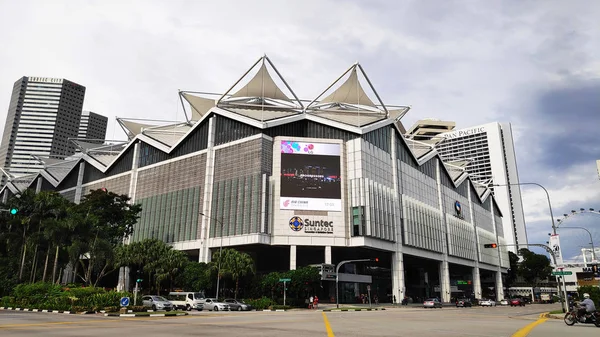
column 350, row 92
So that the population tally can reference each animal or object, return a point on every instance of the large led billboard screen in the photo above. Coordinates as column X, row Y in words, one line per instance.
column 310, row 176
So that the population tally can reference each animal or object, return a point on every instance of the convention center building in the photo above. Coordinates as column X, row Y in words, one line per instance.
column 298, row 182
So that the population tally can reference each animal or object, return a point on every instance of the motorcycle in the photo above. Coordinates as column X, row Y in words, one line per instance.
column 572, row 318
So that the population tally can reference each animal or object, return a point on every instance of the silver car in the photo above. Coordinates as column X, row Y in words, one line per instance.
column 432, row 303
column 213, row 304
column 156, row 302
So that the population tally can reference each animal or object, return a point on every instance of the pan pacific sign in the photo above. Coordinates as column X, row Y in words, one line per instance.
column 464, row 133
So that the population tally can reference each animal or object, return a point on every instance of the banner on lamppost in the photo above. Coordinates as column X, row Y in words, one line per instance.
column 555, row 246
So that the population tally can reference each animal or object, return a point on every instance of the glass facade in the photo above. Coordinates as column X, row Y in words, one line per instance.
column 422, row 226
column 232, row 184
column 461, row 238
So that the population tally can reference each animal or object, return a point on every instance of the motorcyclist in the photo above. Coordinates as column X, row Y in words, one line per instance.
column 587, row 306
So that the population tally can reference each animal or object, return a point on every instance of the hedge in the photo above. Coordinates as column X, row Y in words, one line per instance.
column 50, row 296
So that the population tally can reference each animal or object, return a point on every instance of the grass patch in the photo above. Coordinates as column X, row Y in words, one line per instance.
column 345, row 308
column 556, row 312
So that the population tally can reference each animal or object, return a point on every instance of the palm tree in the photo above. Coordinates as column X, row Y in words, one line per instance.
column 237, row 264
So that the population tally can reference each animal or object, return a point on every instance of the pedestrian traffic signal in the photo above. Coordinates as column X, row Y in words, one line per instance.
column 14, row 211
column 490, row 245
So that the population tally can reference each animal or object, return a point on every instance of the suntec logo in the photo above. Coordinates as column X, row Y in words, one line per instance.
column 286, row 203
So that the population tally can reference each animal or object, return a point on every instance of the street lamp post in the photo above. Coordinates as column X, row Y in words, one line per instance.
column 553, row 229
column 220, row 252
column 337, row 278
column 589, row 233
column 549, row 250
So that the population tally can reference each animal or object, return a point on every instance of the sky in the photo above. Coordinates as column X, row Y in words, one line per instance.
column 531, row 63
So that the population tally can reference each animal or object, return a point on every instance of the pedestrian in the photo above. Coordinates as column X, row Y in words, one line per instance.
column 310, row 302
column 376, row 300
column 316, row 302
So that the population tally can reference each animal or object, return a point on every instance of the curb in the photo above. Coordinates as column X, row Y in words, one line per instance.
column 359, row 309
column 42, row 310
column 151, row 315
column 280, row 310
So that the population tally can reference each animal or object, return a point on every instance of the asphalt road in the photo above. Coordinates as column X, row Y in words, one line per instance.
column 447, row 322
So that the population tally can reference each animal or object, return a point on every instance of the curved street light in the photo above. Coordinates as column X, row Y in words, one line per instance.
column 576, row 212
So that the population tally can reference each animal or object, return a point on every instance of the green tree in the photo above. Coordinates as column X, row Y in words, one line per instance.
column 236, row 264
column 513, row 270
column 534, row 267
column 194, row 276
column 104, row 220
column 156, row 259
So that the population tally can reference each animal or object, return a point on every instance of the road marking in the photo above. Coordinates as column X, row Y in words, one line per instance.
column 523, row 332
column 327, row 326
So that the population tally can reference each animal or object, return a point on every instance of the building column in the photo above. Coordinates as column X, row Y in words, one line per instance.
column 328, row 254
column 398, row 285
column 293, row 257
column 499, row 286
column 445, row 282
column 476, row 283
column 208, row 190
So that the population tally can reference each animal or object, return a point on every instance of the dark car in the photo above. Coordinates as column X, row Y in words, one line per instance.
column 238, row 305
column 517, row 302
column 463, row 302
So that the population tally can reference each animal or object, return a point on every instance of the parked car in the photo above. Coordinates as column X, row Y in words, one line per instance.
column 237, row 305
column 432, row 303
column 156, row 302
column 504, row 302
column 463, row 302
column 517, row 302
column 487, row 303
column 213, row 304
column 186, row 300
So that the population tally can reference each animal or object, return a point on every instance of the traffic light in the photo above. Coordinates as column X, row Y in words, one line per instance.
column 139, row 280
column 490, row 245
column 375, row 259
column 14, row 210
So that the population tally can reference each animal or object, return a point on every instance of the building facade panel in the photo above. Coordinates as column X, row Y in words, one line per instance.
column 461, row 243
column 423, row 225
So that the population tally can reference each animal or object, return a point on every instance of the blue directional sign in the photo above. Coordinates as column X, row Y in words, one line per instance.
column 124, row 301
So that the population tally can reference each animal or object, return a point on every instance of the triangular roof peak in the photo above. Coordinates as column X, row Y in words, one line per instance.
column 350, row 95
column 261, row 90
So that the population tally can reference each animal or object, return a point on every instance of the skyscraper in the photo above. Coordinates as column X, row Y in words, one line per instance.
column 490, row 150
column 92, row 126
column 42, row 115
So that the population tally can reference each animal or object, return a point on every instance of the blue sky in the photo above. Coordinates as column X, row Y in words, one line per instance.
column 532, row 63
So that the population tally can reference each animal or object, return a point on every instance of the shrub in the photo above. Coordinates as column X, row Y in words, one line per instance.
column 279, row 307
column 593, row 291
column 112, row 309
column 137, row 308
column 261, row 303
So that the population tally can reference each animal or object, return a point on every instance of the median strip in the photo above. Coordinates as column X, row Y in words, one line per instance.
column 353, row 309
column 146, row 314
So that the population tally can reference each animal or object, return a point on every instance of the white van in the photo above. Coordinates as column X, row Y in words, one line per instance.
column 187, row 300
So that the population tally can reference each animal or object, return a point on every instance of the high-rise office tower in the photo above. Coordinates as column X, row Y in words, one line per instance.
column 42, row 115
column 490, row 150
column 92, row 126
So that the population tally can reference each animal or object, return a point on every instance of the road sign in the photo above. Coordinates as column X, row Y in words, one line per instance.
column 368, row 287
column 285, row 279
column 124, row 301
column 561, row 273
